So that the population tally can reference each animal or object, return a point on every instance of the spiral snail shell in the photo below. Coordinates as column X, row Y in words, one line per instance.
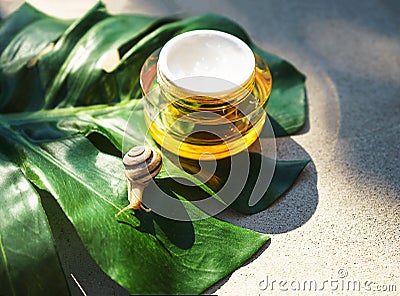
column 142, row 164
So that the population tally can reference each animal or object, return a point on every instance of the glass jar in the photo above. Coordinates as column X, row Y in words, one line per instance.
column 206, row 95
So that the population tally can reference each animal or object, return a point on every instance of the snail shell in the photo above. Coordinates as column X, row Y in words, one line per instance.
column 142, row 164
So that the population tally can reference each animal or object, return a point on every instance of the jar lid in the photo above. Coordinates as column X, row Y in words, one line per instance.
column 206, row 62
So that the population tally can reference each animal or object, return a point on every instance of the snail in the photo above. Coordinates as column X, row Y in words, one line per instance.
column 142, row 164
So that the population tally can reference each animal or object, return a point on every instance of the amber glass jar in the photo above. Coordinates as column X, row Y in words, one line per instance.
column 206, row 95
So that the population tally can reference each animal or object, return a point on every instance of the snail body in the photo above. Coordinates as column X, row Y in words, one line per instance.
column 142, row 164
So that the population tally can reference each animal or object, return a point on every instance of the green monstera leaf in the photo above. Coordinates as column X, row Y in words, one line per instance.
column 29, row 262
column 55, row 95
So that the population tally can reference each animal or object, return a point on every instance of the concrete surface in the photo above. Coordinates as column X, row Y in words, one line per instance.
column 341, row 221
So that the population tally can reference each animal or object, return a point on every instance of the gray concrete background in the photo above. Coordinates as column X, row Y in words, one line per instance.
column 343, row 214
